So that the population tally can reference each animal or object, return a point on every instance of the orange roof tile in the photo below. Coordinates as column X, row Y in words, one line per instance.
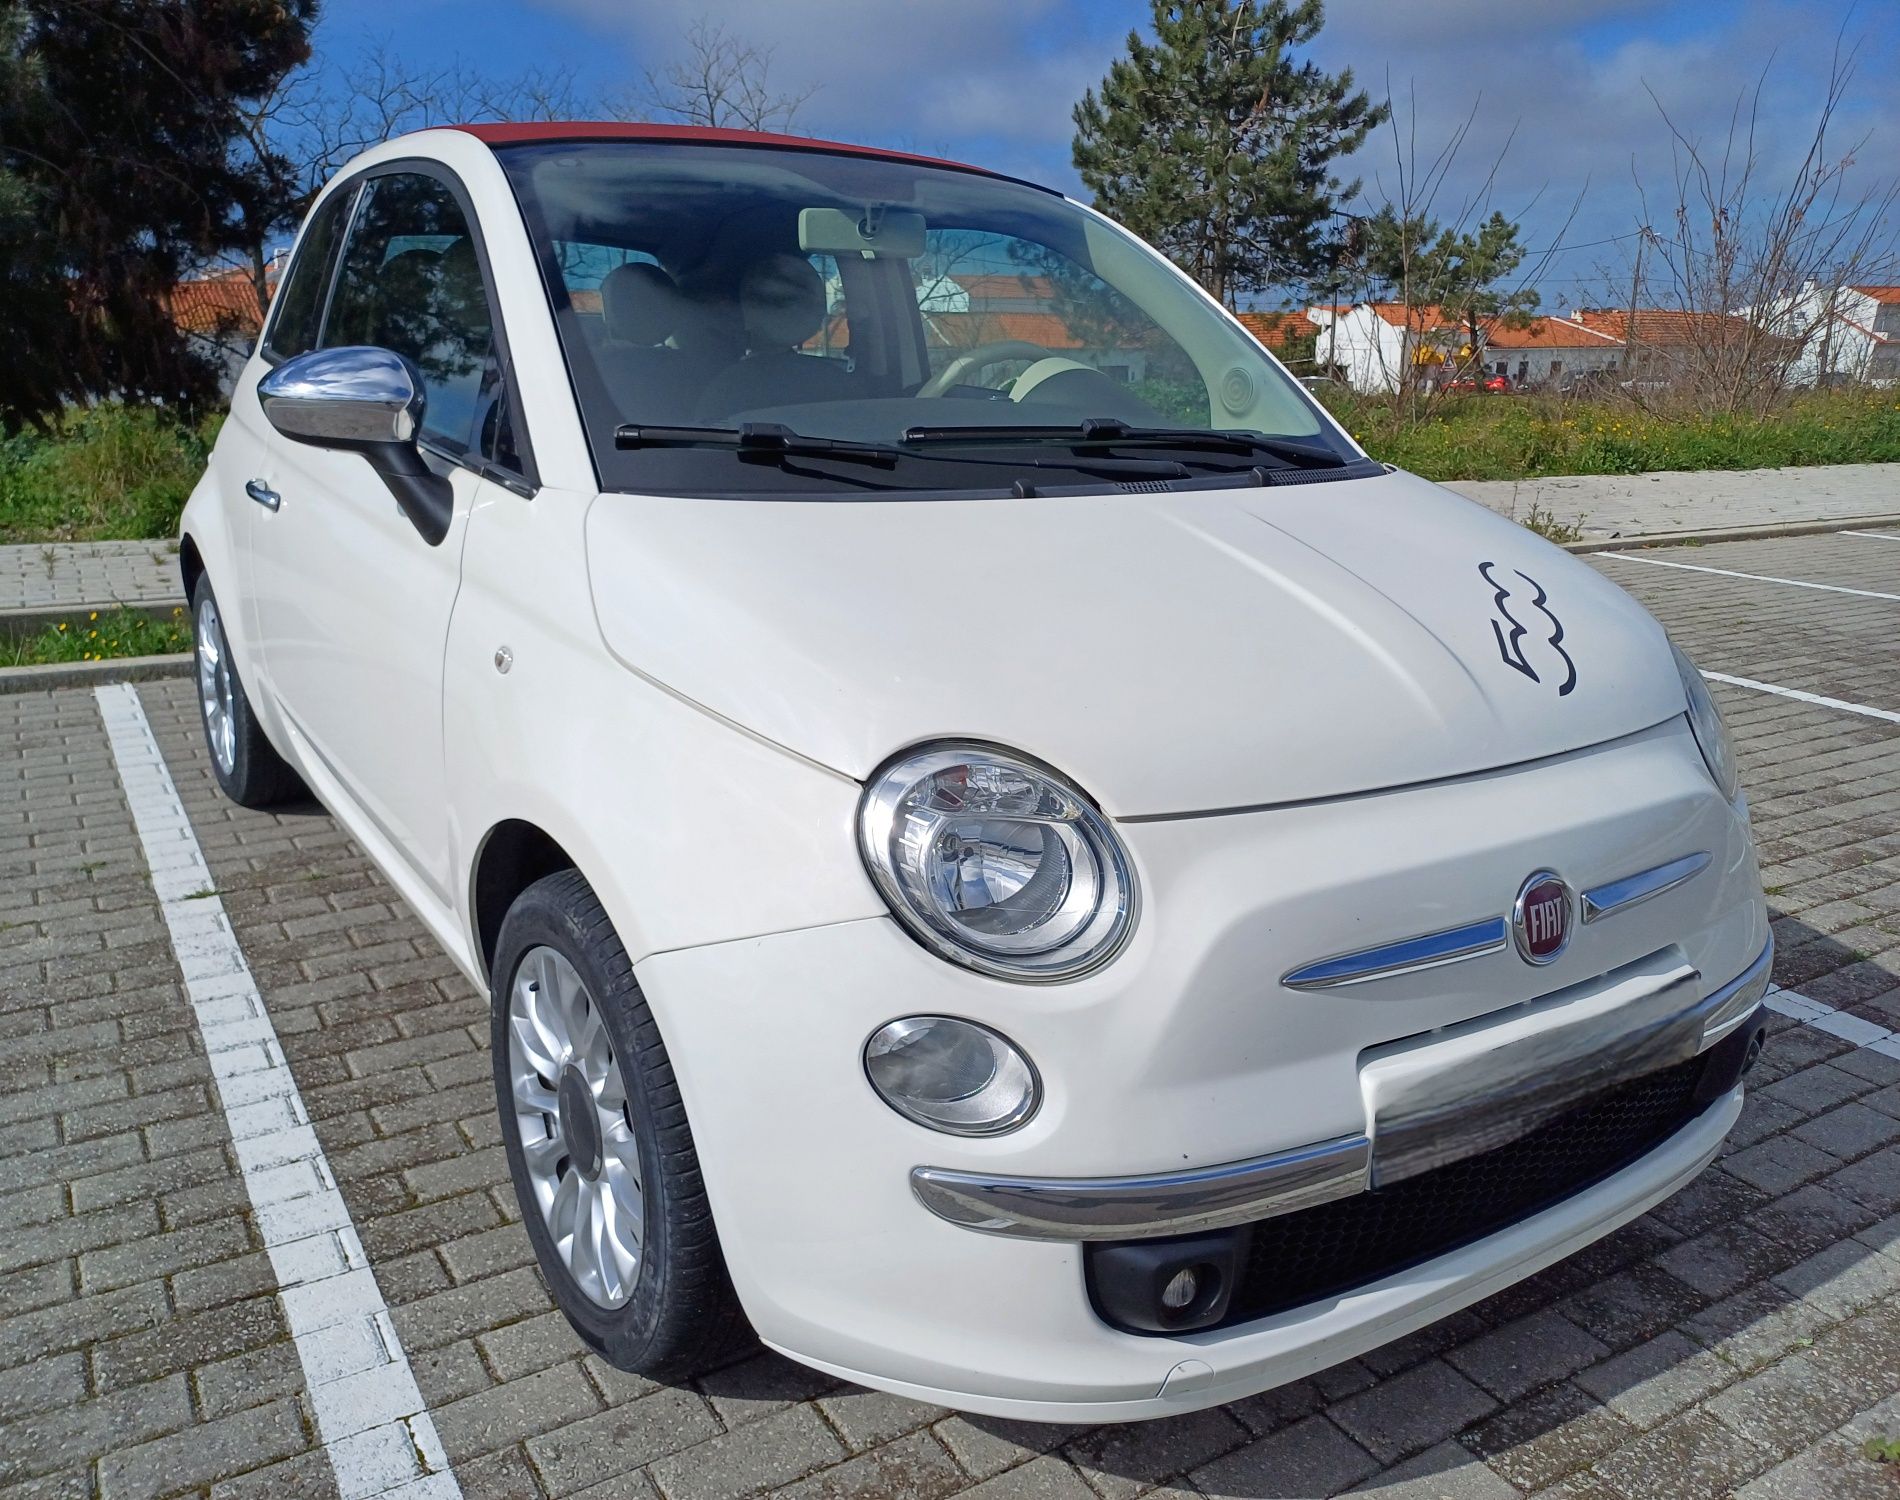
column 220, row 304
column 1278, row 329
column 966, row 330
column 1659, row 327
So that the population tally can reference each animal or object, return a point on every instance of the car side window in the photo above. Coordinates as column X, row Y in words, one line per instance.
column 299, row 304
column 410, row 281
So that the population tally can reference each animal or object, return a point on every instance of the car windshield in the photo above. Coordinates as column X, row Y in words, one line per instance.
column 765, row 319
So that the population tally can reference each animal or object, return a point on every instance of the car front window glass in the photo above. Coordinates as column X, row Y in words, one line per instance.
column 963, row 325
column 411, row 281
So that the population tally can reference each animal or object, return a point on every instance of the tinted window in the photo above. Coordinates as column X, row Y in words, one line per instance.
column 300, row 299
column 410, row 281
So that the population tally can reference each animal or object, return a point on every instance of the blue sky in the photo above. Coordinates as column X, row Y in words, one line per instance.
column 1564, row 128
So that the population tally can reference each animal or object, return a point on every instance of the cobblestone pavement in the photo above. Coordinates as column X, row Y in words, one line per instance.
column 1744, row 1337
column 58, row 575
column 1644, row 504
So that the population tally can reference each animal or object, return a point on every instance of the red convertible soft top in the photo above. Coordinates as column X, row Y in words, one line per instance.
column 512, row 134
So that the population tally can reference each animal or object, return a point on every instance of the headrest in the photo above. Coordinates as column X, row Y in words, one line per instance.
column 639, row 303
column 459, row 270
column 783, row 301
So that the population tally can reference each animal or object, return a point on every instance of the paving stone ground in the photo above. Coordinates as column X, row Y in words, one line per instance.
column 1743, row 1338
column 55, row 575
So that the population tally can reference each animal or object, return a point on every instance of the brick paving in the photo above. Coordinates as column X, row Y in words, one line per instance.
column 1743, row 1338
column 141, row 1341
column 61, row 575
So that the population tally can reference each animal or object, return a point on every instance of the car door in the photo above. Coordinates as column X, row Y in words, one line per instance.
column 353, row 604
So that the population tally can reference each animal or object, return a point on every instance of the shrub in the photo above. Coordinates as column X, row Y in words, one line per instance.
column 1524, row 437
column 107, row 473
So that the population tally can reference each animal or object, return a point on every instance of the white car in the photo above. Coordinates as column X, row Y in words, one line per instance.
column 1009, row 856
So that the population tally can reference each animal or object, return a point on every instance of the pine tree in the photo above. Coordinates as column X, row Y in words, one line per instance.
column 119, row 173
column 1216, row 144
column 1470, row 270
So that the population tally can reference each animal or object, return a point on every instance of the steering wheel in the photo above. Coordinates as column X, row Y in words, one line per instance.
column 979, row 358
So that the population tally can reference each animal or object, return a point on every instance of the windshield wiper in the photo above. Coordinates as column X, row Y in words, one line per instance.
column 1112, row 431
column 774, row 441
column 756, row 439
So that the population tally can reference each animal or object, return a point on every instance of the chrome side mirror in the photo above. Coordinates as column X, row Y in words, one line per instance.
column 362, row 399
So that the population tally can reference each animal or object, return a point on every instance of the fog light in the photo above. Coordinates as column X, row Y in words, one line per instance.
column 952, row 1075
column 1165, row 1285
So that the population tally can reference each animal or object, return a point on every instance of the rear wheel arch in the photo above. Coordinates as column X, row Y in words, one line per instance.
column 514, row 854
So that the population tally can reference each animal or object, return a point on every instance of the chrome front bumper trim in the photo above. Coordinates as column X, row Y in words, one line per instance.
column 1407, row 956
column 1494, row 1095
column 1633, row 890
column 1475, row 939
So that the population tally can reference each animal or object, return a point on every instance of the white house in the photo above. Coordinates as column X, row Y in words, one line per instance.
column 1849, row 333
column 1374, row 344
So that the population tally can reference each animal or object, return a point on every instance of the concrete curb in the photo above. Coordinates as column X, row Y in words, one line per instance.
column 72, row 674
column 1728, row 534
column 17, row 624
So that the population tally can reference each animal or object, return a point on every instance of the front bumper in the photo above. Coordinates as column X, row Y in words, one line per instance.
column 1429, row 1105
column 1192, row 1371
column 1183, row 1052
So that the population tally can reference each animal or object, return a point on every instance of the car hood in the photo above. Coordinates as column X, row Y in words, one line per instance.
column 1172, row 652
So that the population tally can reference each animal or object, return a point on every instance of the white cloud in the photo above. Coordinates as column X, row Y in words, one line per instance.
column 1565, row 80
column 900, row 69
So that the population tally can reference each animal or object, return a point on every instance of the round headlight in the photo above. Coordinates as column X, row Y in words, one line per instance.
column 1711, row 733
column 997, row 864
column 952, row 1075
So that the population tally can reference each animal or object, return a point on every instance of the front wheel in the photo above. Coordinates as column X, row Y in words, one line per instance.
column 598, row 1145
column 249, row 770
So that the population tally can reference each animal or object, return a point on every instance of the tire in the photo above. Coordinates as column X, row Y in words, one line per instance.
column 248, row 768
column 562, row 992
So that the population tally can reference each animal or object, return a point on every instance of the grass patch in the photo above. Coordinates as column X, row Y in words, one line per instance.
column 1525, row 437
column 103, row 636
column 111, row 473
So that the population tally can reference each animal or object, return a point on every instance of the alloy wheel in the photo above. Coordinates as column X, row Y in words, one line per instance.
column 215, row 689
column 577, row 1140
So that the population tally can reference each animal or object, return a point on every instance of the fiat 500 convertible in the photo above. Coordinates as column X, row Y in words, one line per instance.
column 1010, row 858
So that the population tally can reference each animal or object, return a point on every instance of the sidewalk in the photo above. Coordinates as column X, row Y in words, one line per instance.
column 85, row 575
column 1632, row 505
column 44, row 576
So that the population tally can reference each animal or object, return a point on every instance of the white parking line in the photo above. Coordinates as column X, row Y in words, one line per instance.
column 1817, row 699
column 378, row 1436
column 1874, row 1038
column 1793, row 583
column 1877, row 536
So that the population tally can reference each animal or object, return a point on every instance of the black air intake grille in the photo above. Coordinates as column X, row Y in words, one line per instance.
column 1299, row 1258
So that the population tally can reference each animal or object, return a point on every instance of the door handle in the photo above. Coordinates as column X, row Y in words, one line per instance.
column 263, row 494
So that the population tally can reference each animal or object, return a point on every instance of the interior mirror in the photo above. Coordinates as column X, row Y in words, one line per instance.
column 874, row 230
column 361, row 399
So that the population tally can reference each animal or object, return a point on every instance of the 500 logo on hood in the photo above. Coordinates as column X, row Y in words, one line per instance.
column 1511, row 632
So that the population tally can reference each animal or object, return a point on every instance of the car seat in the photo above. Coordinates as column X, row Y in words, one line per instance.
column 782, row 304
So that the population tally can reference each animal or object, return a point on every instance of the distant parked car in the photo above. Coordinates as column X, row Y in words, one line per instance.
column 1037, row 903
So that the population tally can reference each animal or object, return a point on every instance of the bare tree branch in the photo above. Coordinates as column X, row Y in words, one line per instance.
column 721, row 81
